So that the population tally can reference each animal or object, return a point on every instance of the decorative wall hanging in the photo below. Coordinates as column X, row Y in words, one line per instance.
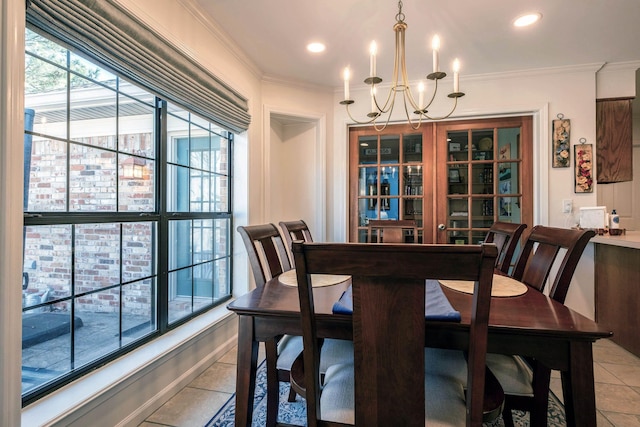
column 583, row 154
column 561, row 132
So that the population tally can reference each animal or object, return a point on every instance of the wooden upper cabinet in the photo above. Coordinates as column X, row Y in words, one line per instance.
column 614, row 140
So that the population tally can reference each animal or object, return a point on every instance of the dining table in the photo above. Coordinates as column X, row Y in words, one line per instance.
column 529, row 324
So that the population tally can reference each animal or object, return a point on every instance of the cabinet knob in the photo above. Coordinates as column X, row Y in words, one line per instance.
column 442, row 227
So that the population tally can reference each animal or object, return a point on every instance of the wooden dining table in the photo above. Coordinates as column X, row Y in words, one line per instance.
column 531, row 324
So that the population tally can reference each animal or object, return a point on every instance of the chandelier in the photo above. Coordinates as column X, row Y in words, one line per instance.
column 400, row 84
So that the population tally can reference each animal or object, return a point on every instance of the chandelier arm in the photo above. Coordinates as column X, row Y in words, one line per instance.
column 406, row 111
column 386, row 107
column 433, row 95
column 455, row 104
column 405, row 78
column 358, row 121
column 388, row 117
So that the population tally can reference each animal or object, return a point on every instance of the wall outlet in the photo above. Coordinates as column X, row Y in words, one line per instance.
column 567, row 206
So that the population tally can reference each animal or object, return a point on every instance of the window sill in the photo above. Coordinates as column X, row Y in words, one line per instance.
column 99, row 387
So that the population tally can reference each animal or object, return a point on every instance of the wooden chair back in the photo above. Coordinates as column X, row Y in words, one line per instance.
column 389, row 324
column 506, row 236
column 390, row 231
column 295, row 230
column 539, row 253
column 266, row 251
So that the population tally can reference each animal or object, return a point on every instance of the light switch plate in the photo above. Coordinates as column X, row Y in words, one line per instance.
column 567, row 206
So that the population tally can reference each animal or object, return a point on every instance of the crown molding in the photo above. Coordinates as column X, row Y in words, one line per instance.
column 294, row 83
column 215, row 29
column 620, row 66
column 533, row 72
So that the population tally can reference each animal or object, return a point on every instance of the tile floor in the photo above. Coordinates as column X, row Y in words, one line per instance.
column 617, row 376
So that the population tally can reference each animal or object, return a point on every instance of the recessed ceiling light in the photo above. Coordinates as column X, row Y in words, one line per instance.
column 316, row 47
column 526, row 20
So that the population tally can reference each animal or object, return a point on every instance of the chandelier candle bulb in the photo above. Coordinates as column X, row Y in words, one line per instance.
column 435, row 44
column 373, row 50
column 346, row 76
column 456, row 76
column 420, row 95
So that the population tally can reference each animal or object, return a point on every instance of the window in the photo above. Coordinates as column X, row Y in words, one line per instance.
column 127, row 216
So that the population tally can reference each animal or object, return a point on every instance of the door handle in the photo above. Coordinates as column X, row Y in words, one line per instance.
column 442, row 227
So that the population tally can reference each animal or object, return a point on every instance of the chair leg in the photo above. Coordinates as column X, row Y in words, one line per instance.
column 273, row 386
column 540, row 405
column 292, row 395
column 507, row 416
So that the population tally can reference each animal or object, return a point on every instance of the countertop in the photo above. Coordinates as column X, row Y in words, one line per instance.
column 631, row 239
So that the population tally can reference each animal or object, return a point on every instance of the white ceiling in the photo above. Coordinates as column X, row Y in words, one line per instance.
column 274, row 33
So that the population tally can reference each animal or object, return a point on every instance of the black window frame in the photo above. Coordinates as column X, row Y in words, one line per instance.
column 160, row 215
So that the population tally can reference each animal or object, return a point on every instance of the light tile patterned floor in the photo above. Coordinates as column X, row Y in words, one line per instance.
column 617, row 377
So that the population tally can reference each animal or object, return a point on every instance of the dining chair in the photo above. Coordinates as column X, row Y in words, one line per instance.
column 268, row 258
column 333, row 350
column 295, row 230
column 387, row 383
column 391, row 231
column 526, row 381
column 506, row 236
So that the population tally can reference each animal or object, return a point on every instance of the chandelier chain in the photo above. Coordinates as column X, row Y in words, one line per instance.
column 400, row 14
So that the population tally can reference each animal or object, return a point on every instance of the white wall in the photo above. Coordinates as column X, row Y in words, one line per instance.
column 300, row 117
column 293, row 168
column 11, row 156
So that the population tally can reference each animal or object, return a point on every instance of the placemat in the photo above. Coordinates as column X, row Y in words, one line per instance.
column 436, row 304
column 288, row 278
column 503, row 286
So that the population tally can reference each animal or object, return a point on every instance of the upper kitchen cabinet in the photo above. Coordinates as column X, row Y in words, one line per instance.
column 614, row 140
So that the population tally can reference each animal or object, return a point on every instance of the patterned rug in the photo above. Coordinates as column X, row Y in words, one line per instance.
column 295, row 413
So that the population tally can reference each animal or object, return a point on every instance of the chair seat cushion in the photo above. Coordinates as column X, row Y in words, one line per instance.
column 513, row 372
column 448, row 363
column 444, row 398
column 334, row 351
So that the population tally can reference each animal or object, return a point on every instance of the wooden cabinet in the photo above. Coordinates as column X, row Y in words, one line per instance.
column 391, row 177
column 614, row 140
column 453, row 178
column 618, row 293
column 485, row 174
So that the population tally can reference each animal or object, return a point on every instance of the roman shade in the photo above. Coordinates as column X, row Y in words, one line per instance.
column 107, row 33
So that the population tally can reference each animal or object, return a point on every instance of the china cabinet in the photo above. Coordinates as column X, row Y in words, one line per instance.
column 484, row 174
column 453, row 178
column 387, row 177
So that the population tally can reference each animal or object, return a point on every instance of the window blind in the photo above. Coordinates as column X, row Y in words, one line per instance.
column 105, row 32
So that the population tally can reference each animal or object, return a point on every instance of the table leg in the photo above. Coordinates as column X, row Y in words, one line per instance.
column 578, row 386
column 246, row 371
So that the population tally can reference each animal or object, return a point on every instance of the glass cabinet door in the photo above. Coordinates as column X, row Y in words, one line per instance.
column 390, row 179
column 453, row 178
column 483, row 181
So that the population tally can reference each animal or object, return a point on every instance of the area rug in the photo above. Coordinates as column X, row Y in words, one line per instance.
column 295, row 413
